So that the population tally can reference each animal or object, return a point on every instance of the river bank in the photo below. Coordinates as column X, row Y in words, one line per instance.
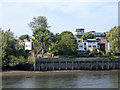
column 18, row 73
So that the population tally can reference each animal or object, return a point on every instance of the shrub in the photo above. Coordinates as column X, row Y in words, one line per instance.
column 100, row 54
column 108, row 53
column 87, row 52
column 30, row 60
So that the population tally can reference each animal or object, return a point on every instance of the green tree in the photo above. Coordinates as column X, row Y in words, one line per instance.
column 44, row 37
column 66, row 32
column 66, row 46
column 26, row 36
column 88, row 35
column 114, row 38
column 39, row 21
column 10, row 49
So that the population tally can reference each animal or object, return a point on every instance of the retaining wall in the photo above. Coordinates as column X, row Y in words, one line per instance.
column 47, row 64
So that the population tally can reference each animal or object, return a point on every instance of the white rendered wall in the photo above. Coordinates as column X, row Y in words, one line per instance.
column 28, row 45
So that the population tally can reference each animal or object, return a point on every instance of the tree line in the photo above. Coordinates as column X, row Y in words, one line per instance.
column 45, row 42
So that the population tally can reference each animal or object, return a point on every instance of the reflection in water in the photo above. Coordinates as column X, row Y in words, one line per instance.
column 64, row 80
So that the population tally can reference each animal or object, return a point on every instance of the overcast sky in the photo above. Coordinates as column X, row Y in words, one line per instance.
column 98, row 16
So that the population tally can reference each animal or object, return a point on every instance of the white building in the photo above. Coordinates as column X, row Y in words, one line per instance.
column 25, row 44
column 85, row 44
column 28, row 45
column 79, row 32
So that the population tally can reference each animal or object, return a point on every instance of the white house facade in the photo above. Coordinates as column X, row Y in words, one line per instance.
column 85, row 44
column 28, row 45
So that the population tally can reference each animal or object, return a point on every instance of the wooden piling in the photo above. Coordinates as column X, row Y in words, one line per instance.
column 46, row 66
column 72, row 65
column 102, row 65
column 108, row 65
column 59, row 65
column 39, row 65
column 66, row 65
column 53, row 66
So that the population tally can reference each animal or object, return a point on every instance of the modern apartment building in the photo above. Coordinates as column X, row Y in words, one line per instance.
column 85, row 44
column 99, row 42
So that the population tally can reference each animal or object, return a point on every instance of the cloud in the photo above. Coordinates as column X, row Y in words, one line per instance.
column 61, row 15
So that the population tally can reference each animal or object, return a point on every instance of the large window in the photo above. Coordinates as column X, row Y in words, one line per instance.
column 89, row 46
column 94, row 46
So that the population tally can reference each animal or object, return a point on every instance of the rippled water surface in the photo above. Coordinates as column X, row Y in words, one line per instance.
column 99, row 79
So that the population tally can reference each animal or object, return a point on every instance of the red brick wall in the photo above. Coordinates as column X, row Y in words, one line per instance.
column 106, row 44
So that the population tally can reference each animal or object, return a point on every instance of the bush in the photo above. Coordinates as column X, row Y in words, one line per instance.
column 108, row 53
column 30, row 60
column 91, row 54
column 16, row 60
column 100, row 54
column 87, row 52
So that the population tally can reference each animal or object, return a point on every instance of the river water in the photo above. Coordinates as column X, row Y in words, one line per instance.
column 72, row 79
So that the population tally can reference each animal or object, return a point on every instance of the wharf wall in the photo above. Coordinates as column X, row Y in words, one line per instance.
column 52, row 64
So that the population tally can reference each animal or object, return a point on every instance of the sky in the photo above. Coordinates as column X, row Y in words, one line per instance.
column 61, row 16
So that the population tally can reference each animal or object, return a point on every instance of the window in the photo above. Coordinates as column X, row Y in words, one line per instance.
column 94, row 46
column 84, row 43
column 80, row 41
column 89, row 46
column 81, row 46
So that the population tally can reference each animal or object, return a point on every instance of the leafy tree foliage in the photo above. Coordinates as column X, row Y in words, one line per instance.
column 26, row 36
column 44, row 37
column 66, row 32
column 88, row 35
column 11, row 54
column 39, row 21
column 114, row 38
column 66, row 46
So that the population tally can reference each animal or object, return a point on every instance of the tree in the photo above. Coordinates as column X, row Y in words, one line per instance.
column 26, row 36
column 10, row 49
column 88, row 35
column 44, row 37
column 66, row 46
column 66, row 32
column 58, row 36
column 40, row 21
column 114, row 38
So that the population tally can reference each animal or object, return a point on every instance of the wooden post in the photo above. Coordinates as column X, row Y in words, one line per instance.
column 114, row 64
column 59, row 65
column 102, row 65
column 39, row 65
column 35, row 66
column 66, row 65
column 85, row 64
column 90, row 65
column 72, row 65
column 46, row 65
column 96, row 65
column 53, row 65
column 108, row 64
column 119, row 64
column 78, row 65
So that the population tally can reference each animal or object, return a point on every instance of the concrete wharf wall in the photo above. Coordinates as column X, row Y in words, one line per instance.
column 51, row 64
